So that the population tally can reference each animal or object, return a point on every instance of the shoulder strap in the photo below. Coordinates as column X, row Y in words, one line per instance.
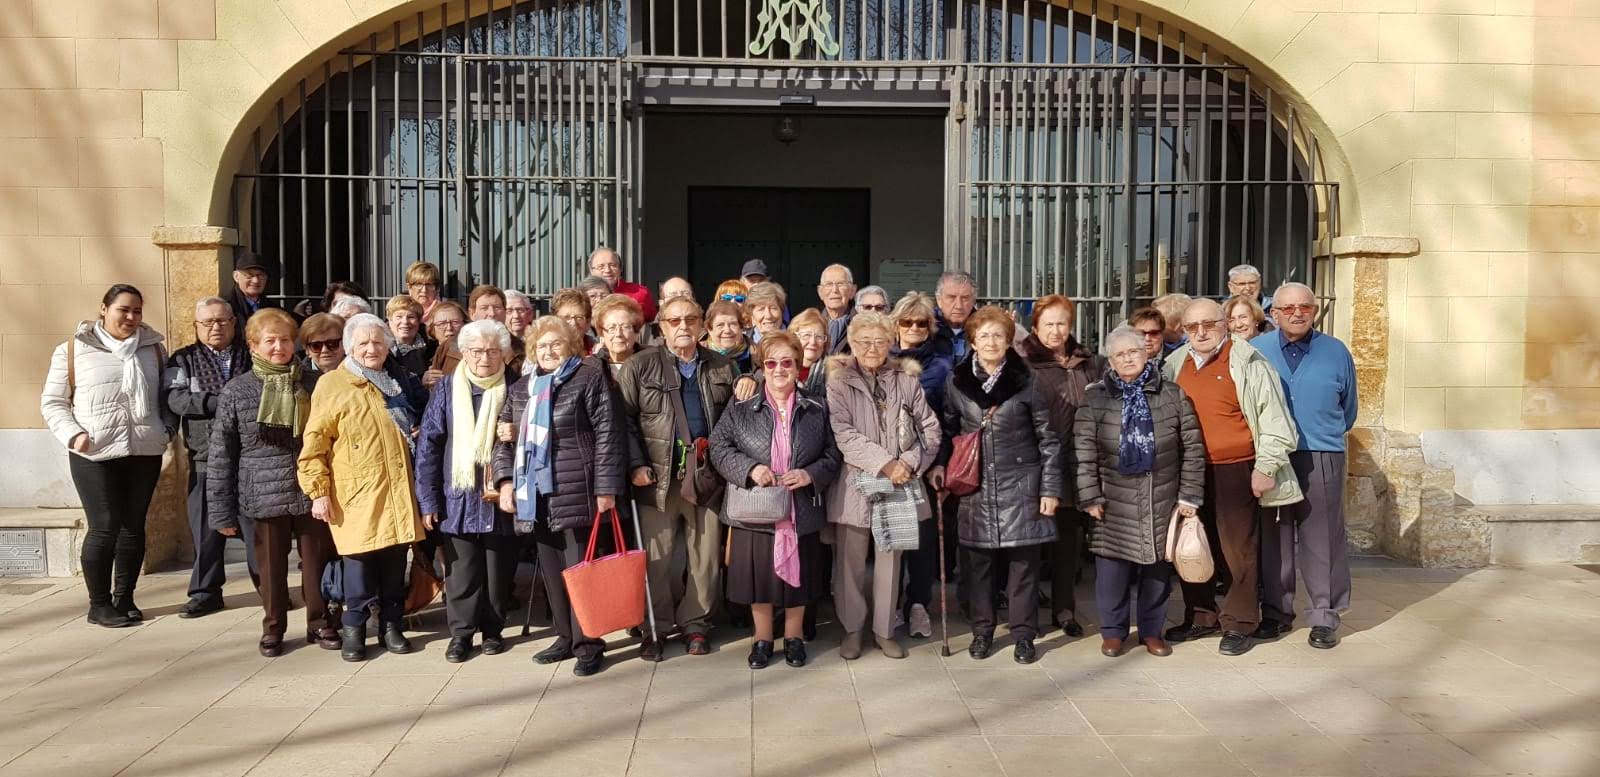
column 72, row 365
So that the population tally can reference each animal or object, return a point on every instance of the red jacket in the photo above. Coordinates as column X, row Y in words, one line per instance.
column 641, row 295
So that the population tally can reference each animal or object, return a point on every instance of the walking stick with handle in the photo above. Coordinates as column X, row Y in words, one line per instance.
column 649, row 601
column 944, row 608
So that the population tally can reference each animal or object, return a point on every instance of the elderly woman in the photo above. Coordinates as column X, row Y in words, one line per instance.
column 558, row 465
column 422, row 285
column 412, row 350
column 595, row 288
column 732, row 290
column 573, row 307
column 1245, row 317
column 1010, row 517
column 250, row 473
column 455, row 449
column 885, row 429
column 764, row 304
column 443, row 324
column 811, row 329
column 322, row 341
column 356, row 468
column 338, row 291
column 619, row 320
column 1140, row 456
column 914, row 319
column 725, row 333
column 1063, row 369
column 101, row 401
column 779, row 438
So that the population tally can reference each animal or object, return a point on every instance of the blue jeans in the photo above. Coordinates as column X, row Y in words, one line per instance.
column 378, row 577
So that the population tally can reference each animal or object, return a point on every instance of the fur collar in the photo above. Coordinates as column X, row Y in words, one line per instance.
column 844, row 363
column 1014, row 377
column 1040, row 357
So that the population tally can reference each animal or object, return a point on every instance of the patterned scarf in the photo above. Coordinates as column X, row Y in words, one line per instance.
column 988, row 381
column 785, row 541
column 284, row 402
column 1137, row 448
column 212, row 369
column 472, row 434
column 533, row 444
column 394, row 400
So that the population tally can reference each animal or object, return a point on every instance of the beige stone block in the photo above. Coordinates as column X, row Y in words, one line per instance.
column 1513, row 88
column 90, row 113
column 1491, row 227
column 54, row 310
column 216, row 76
column 1455, row 87
column 1566, row 41
column 149, row 64
column 261, row 34
column 1504, row 363
column 1482, row 408
column 1393, row 138
column 1497, row 135
column 1509, row 273
column 39, row 260
column 19, row 113
column 19, row 211
column 1527, row 182
column 1386, row 202
column 38, row 162
column 1566, row 137
column 25, row 358
column 91, row 212
column 1433, row 226
column 1580, row 274
column 108, row 260
column 187, row 19
column 1430, row 365
column 1422, row 409
column 19, row 406
column 39, row 63
column 1488, row 320
column 16, row 18
column 1497, row 39
column 1446, row 274
column 1363, row 92
column 1478, row 7
column 97, row 64
column 1268, row 27
column 117, row 18
column 1452, row 181
column 1516, row 7
column 1219, row 15
column 1426, row 320
column 1329, row 43
column 317, row 21
column 1582, row 183
column 1418, row 38
column 1564, row 229
column 120, row 162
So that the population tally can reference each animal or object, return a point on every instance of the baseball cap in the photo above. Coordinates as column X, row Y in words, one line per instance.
column 753, row 267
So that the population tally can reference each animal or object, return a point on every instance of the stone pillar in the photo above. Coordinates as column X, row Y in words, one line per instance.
column 193, row 257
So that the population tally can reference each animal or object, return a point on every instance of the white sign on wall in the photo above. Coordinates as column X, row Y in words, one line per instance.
column 899, row 276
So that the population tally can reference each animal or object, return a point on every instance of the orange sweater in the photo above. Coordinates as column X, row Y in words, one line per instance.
column 1216, row 403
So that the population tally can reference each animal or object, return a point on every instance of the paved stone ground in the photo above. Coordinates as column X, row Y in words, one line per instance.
column 1441, row 673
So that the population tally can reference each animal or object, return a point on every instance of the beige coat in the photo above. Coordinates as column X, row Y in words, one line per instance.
column 906, row 429
column 356, row 456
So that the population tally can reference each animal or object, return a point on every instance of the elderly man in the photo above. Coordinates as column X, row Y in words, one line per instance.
column 249, row 287
column 670, row 288
column 486, row 303
column 1319, row 378
column 673, row 395
column 956, row 297
column 519, row 312
column 837, row 290
column 1248, row 436
column 1244, row 280
column 194, row 377
column 754, row 272
column 607, row 264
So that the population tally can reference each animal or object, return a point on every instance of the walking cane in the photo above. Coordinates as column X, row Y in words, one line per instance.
column 649, row 601
column 944, row 608
column 533, row 588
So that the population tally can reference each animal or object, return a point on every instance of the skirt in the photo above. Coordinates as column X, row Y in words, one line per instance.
column 751, row 580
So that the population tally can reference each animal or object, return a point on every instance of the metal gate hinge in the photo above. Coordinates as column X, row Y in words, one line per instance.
column 959, row 111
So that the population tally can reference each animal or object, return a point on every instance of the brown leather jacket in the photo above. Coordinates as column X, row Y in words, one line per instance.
column 647, row 381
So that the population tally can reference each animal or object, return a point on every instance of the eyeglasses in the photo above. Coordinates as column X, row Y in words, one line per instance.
column 519, row 310
column 449, row 323
column 322, row 345
column 681, row 320
column 423, row 286
column 914, row 323
column 835, row 284
column 773, row 364
column 620, row 329
column 479, row 353
column 1296, row 310
column 556, row 347
column 213, row 323
column 1209, row 326
column 739, row 298
column 873, row 344
column 874, row 308
column 1150, row 334
column 1127, row 355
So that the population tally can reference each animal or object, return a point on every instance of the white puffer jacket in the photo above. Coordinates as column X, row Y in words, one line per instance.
column 98, row 407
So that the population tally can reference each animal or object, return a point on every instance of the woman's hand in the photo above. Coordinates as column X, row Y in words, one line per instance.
column 1187, row 511
column 430, row 521
column 431, row 377
column 605, row 503
column 744, row 388
column 795, row 479
column 1097, row 512
column 320, row 507
column 506, row 431
column 80, row 443
column 231, row 531
column 643, row 477
column 761, row 475
column 936, row 478
column 1048, row 505
column 508, row 498
column 897, row 472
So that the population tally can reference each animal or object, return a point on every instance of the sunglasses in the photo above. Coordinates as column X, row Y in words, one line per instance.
column 915, row 323
column 1296, row 310
column 772, row 364
column 874, row 308
column 681, row 320
column 739, row 298
column 1197, row 326
column 321, row 345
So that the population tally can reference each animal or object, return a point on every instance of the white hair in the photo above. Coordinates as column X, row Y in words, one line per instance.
column 870, row 290
column 361, row 321
column 849, row 277
column 956, row 276
column 1123, row 332
column 512, row 294
column 1242, row 269
column 348, row 307
column 1310, row 292
column 208, row 302
column 485, row 330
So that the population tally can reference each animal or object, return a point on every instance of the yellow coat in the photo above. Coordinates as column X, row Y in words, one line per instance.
column 355, row 455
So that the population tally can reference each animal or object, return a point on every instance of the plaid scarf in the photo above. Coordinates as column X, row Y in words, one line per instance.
column 893, row 510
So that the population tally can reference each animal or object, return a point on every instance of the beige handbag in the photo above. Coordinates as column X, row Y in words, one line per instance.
column 1188, row 549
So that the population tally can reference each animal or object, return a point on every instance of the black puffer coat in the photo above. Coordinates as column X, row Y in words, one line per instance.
column 1062, row 381
column 588, row 445
column 743, row 439
column 1138, row 508
column 245, row 475
column 1020, row 456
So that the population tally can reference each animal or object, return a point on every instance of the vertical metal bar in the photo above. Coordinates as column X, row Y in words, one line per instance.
column 1245, row 190
column 305, row 217
column 1203, row 170
column 278, row 141
column 327, row 169
column 1289, row 188
column 354, row 225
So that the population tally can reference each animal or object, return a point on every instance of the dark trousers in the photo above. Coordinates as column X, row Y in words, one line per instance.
column 1022, row 567
column 1065, row 555
column 210, row 545
column 478, row 569
column 378, row 577
column 272, row 539
column 116, row 495
column 1308, row 536
column 1116, row 580
column 557, row 551
column 921, row 566
column 1233, row 531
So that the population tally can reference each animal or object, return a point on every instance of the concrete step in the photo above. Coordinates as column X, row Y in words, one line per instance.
column 1539, row 534
column 39, row 541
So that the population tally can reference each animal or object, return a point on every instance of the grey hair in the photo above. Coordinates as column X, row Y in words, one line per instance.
column 604, row 250
column 362, row 321
column 1242, row 269
column 208, row 302
column 863, row 321
column 512, row 294
column 866, row 290
column 594, row 283
column 485, row 329
column 1295, row 285
column 849, row 277
column 956, row 276
column 348, row 307
column 1123, row 332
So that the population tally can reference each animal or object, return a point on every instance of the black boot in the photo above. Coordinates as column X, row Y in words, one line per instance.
column 760, row 654
column 123, row 603
column 394, row 640
column 108, row 616
column 794, row 652
column 353, row 642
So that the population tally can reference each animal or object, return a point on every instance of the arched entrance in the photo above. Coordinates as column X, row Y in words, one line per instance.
column 1085, row 149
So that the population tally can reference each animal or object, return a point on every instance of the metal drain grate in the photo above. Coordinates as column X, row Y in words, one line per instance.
column 22, row 553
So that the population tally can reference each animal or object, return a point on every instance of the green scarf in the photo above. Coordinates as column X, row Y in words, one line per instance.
column 285, row 405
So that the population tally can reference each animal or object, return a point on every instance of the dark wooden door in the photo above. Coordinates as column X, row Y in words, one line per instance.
column 796, row 231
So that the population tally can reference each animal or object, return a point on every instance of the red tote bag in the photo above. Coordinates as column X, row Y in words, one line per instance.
column 965, row 472
column 607, row 593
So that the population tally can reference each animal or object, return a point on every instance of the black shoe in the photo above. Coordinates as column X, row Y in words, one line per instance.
column 493, row 645
column 1270, row 630
column 1235, row 643
column 1072, row 628
column 124, row 604
column 460, row 649
column 761, row 654
column 199, row 607
column 394, row 640
column 353, row 643
column 653, row 650
column 108, row 616
column 794, row 652
column 588, row 666
column 270, row 646
column 556, row 653
column 979, row 648
column 1024, row 652
column 1190, row 631
column 1323, row 637
column 697, row 644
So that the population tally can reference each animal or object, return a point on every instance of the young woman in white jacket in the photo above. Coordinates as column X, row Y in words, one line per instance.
column 101, row 400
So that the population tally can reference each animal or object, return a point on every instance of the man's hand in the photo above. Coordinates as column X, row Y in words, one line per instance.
column 761, row 475
column 744, row 388
column 506, row 431
column 643, row 476
column 1048, row 505
column 508, row 498
column 605, row 503
column 320, row 508
column 795, row 479
column 1261, row 484
column 1097, row 512
column 430, row 521
column 231, row 531
column 431, row 377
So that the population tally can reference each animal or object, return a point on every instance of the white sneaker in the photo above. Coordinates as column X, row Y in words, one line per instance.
column 921, row 624
column 899, row 620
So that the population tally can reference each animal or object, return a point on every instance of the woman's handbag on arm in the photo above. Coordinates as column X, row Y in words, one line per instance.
column 757, row 505
column 1188, row 549
column 965, row 473
column 607, row 593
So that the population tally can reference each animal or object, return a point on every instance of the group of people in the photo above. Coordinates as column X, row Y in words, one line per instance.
column 784, row 458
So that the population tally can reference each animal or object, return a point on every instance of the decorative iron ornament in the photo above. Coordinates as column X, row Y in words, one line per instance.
column 795, row 21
